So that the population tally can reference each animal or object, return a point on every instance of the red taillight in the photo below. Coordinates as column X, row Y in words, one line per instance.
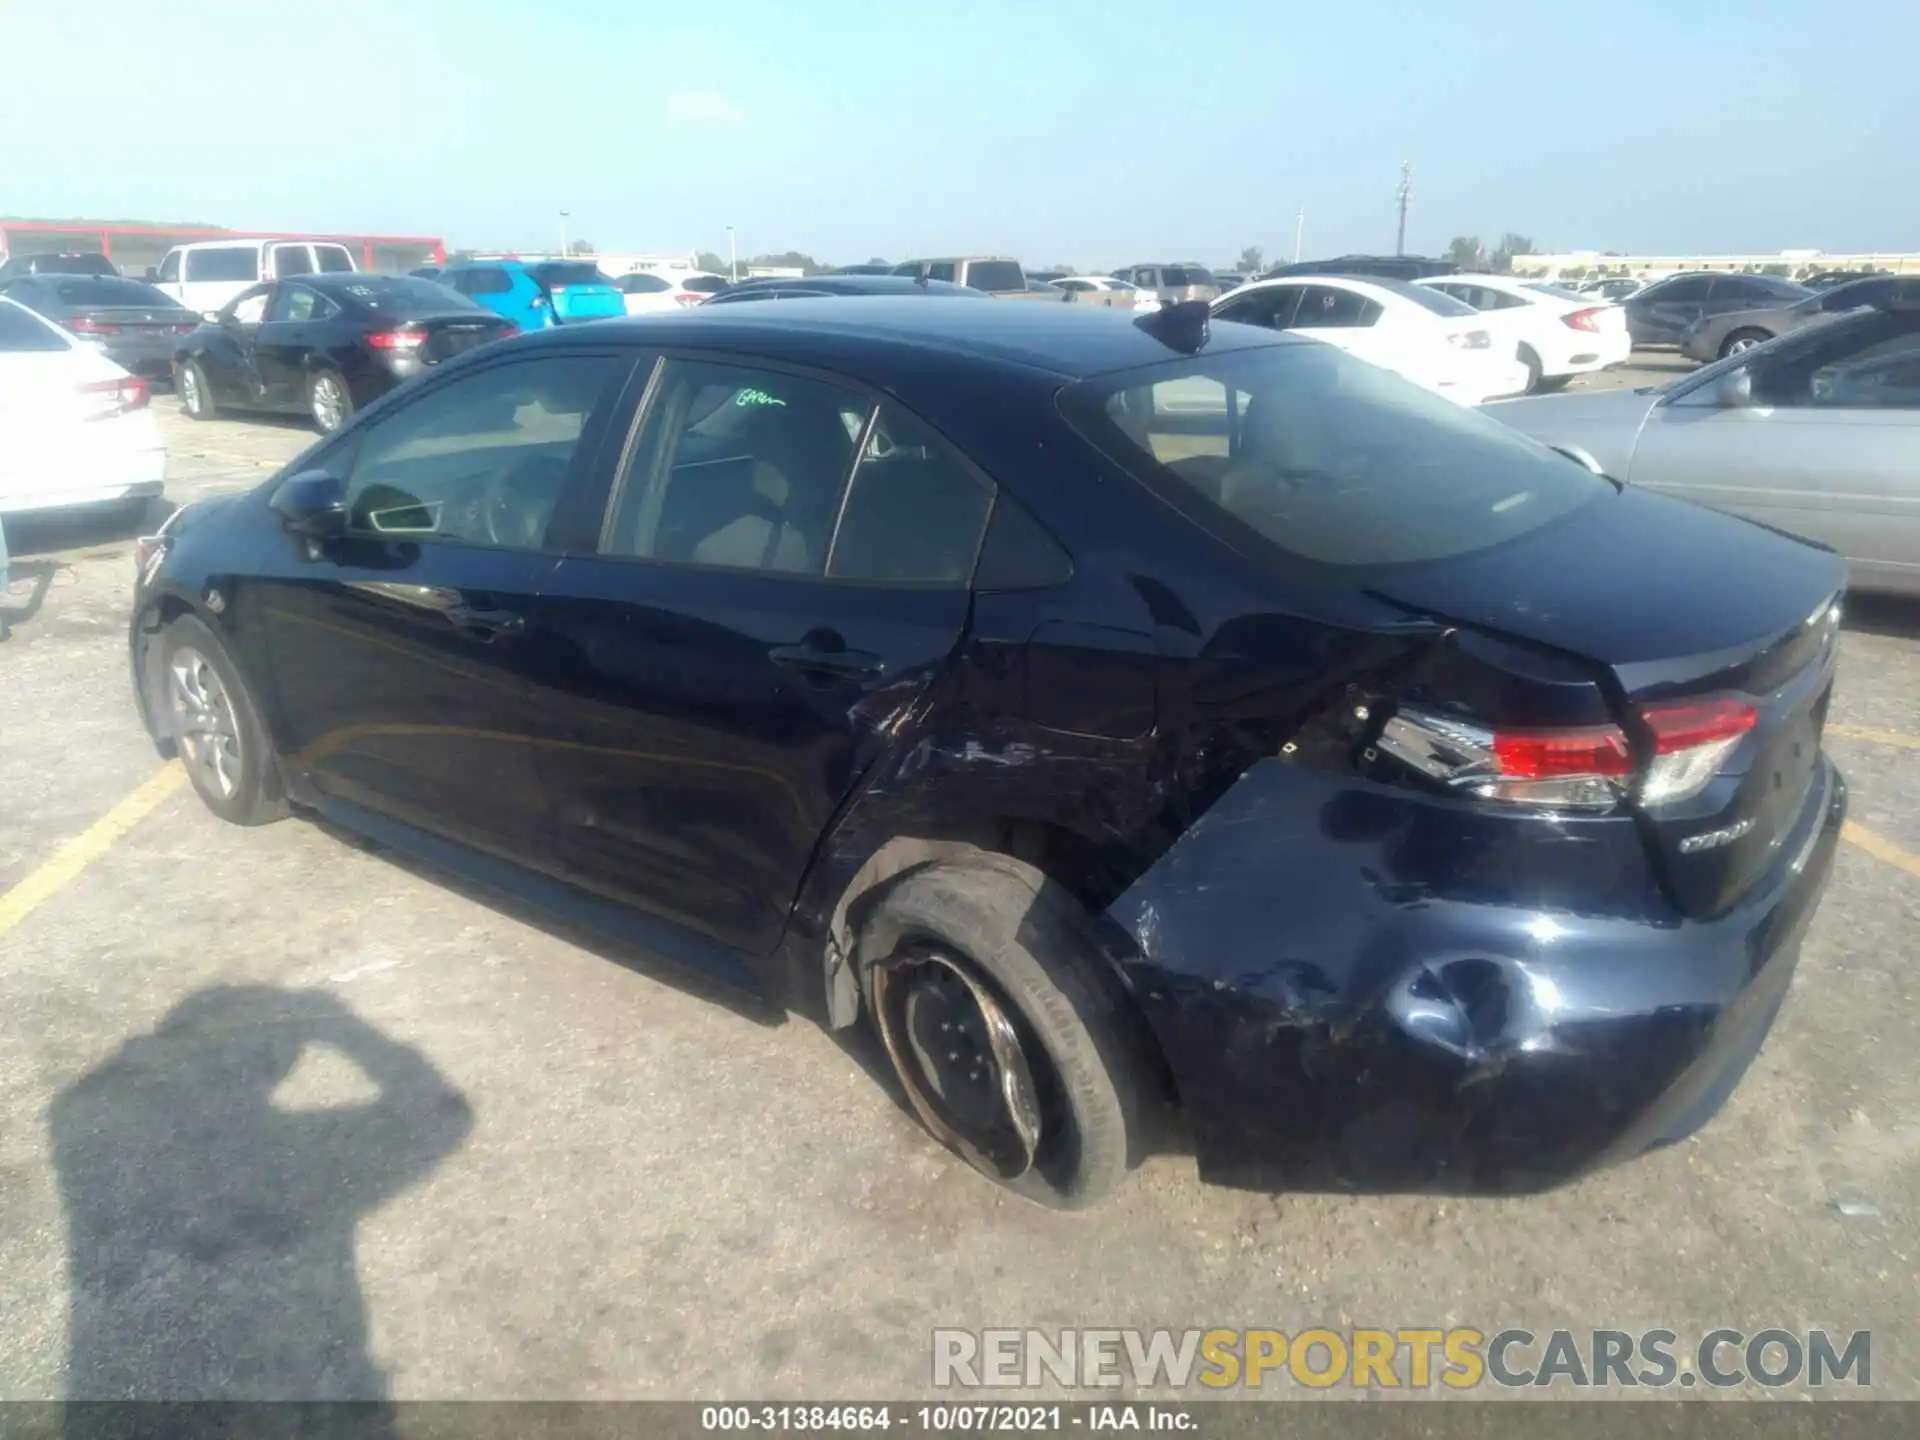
column 1690, row 743
column 689, row 297
column 508, row 331
column 185, row 329
column 87, row 325
column 1585, row 319
column 122, row 394
column 397, row 339
column 1598, row 750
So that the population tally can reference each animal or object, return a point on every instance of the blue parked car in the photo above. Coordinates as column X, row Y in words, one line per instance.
column 535, row 294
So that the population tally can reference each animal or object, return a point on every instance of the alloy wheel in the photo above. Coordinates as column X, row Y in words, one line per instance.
column 204, row 721
column 190, row 397
column 329, row 403
column 960, row 1059
column 1745, row 342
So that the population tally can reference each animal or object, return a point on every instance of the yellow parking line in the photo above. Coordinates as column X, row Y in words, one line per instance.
column 1877, row 737
column 86, row 847
column 1881, row 848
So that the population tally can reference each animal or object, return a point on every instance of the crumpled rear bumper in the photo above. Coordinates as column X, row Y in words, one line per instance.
column 1360, row 988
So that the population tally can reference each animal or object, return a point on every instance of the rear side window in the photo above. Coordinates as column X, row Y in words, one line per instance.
column 1186, row 275
column 223, row 262
column 1558, row 292
column 20, row 332
column 995, row 276
column 1304, row 451
column 1425, row 296
column 644, row 284
column 291, row 260
column 915, row 513
column 561, row 272
column 704, row 284
column 333, row 259
column 489, row 281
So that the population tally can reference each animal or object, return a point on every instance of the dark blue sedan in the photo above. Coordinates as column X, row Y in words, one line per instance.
column 1117, row 716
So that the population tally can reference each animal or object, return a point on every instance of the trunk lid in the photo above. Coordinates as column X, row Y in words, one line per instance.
column 1672, row 604
column 455, row 334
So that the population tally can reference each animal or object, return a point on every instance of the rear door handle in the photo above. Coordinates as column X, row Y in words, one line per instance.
column 853, row 664
column 492, row 622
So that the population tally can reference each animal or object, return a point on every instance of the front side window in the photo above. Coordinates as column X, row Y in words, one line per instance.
column 1322, row 307
column 915, row 512
column 298, row 304
column 940, row 270
column 1871, row 362
column 223, row 262
column 738, row 467
column 1687, row 290
column 334, row 259
column 251, row 308
column 169, row 270
column 482, row 460
column 1306, row 451
column 1271, row 308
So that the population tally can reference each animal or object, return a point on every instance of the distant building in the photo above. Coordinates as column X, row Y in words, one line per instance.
column 1791, row 264
column 136, row 247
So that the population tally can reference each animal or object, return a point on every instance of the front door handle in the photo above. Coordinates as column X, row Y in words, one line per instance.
column 850, row 664
column 491, row 622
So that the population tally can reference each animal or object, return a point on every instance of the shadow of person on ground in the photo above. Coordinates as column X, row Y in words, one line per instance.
column 210, row 1227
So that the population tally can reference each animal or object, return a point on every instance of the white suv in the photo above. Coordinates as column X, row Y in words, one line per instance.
column 207, row 274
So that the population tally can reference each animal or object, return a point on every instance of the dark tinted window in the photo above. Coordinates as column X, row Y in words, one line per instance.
column 1558, row 292
column 397, row 295
column 1868, row 361
column 333, row 259
column 915, row 512
column 1186, row 275
column 567, row 272
column 169, row 270
column 994, row 276
column 643, row 284
column 482, row 460
column 704, row 284
column 108, row 291
column 940, row 270
column 298, row 304
column 1685, row 288
column 488, row 280
column 738, row 467
column 1272, row 308
column 291, row 260
column 89, row 263
column 1856, row 293
column 224, row 262
column 1327, row 457
column 1018, row 553
column 1425, row 296
column 20, row 331
column 1323, row 307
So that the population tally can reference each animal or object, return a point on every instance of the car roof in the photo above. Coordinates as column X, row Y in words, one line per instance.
column 841, row 332
column 845, row 284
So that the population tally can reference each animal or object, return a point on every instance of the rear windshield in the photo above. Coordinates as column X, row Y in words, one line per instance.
column 109, row 291
column 72, row 265
column 1306, row 450
column 567, row 272
column 704, row 284
column 229, row 262
column 399, row 295
column 1559, row 292
column 1425, row 296
column 1186, row 275
column 20, row 331
column 996, row 276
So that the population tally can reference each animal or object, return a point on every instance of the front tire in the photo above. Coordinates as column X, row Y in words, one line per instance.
column 1741, row 340
column 196, row 398
column 328, row 400
column 1014, row 1041
column 1549, row 384
column 202, row 699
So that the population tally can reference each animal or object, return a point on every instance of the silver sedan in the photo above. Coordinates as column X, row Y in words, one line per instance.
column 1816, row 433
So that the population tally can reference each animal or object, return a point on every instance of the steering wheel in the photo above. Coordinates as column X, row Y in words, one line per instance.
column 518, row 501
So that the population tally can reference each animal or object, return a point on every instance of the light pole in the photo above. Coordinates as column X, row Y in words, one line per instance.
column 1299, row 230
column 733, row 259
column 564, row 217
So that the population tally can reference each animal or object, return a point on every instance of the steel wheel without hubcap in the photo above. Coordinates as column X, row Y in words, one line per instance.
column 961, row 1060
column 329, row 403
column 204, row 720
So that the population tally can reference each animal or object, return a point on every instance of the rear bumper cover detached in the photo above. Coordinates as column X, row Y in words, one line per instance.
column 1359, row 988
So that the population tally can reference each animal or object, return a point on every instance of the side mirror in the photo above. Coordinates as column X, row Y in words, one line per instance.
column 312, row 504
column 1734, row 390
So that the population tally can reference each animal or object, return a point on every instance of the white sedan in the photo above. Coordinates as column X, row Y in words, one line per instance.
column 1555, row 332
column 647, row 292
column 1435, row 341
column 75, row 428
column 1143, row 300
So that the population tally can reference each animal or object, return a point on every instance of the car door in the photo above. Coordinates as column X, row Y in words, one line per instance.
column 228, row 359
column 401, row 651
column 294, row 319
column 1828, row 448
column 1665, row 313
column 760, row 609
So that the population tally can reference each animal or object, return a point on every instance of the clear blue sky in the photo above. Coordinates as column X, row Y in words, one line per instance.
column 1083, row 132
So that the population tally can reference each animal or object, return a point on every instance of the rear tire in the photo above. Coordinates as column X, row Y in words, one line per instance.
column 1743, row 340
column 1527, row 358
column 993, row 938
column 1550, row 383
column 200, row 697
column 329, row 400
column 190, row 384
